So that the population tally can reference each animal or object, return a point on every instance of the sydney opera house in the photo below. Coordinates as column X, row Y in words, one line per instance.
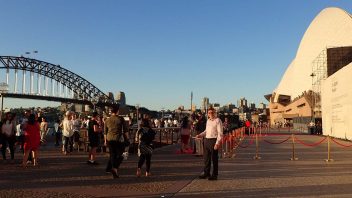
column 317, row 84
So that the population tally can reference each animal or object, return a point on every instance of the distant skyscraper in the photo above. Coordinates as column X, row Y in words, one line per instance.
column 120, row 98
column 242, row 102
column 252, row 105
column 205, row 104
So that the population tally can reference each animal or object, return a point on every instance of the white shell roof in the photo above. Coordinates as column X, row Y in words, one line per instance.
column 332, row 27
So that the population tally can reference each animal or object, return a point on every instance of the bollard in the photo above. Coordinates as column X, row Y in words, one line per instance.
column 224, row 148
column 256, row 157
column 260, row 130
column 293, row 148
column 329, row 150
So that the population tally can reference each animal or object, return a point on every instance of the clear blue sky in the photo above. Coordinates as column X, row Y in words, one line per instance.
column 158, row 51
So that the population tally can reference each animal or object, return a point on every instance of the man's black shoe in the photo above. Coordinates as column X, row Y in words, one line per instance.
column 213, row 177
column 203, row 176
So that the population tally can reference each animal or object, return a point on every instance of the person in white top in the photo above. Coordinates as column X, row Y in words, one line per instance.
column 157, row 123
column 67, row 132
column 175, row 122
column 8, row 135
column 213, row 135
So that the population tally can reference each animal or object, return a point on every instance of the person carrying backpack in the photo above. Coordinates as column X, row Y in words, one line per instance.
column 144, row 137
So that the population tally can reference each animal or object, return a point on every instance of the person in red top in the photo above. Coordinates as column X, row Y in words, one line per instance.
column 32, row 140
column 248, row 123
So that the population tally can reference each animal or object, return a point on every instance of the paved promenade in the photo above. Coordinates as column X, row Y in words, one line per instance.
column 176, row 175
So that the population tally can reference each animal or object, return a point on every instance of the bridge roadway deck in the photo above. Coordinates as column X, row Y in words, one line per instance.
column 176, row 175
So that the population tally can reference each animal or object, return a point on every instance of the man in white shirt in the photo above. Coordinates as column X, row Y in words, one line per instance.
column 67, row 132
column 213, row 135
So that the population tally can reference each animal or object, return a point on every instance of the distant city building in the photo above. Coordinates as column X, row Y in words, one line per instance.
column 205, row 104
column 79, row 108
column 216, row 106
column 262, row 106
column 194, row 108
column 252, row 106
column 120, row 98
column 242, row 102
column 231, row 106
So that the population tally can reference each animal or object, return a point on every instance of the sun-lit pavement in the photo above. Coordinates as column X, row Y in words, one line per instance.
column 176, row 175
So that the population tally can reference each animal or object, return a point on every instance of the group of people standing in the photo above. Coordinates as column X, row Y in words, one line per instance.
column 25, row 132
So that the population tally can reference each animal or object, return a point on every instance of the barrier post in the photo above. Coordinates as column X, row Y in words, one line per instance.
column 260, row 130
column 256, row 157
column 293, row 158
column 232, row 146
column 224, row 147
column 329, row 150
column 172, row 136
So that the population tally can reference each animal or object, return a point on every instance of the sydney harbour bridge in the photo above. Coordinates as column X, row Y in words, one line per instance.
column 35, row 79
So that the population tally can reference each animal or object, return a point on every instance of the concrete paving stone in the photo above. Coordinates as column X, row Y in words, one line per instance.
column 176, row 175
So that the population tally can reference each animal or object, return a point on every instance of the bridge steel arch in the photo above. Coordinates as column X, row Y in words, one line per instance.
column 84, row 90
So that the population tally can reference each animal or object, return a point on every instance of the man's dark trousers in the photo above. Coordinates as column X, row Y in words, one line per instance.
column 116, row 150
column 210, row 155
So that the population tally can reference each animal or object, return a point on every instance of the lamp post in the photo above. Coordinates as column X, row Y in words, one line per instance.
column 137, row 115
column 313, row 96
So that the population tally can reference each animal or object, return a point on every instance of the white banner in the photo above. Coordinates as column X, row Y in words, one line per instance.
column 336, row 95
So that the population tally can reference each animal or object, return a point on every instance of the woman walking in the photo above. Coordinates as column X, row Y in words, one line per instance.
column 144, row 137
column 185, row 134
column 94, row 131
column 31, row 140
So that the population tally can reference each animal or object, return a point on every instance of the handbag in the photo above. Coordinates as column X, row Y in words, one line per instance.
column 145, row 149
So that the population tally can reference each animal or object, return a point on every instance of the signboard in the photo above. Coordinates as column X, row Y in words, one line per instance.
column 337, row 104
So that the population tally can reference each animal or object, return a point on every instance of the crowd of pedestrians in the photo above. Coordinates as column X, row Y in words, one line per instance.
column 30, row 132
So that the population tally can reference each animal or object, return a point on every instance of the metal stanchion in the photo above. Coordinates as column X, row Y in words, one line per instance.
column 224, row 148
column 256, row 157
column 293, row 158
column 329, row 150
column 260, row 130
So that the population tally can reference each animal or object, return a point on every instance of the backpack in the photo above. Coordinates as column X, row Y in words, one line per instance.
column 148, row 135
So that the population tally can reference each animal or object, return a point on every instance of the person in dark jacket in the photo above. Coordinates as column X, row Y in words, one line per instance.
column 144, row 137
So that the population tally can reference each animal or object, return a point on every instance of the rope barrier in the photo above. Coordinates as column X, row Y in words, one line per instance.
column 276, row 134
column 278, row 142
column 340, row 144
column 312, row 145
column 249, row 143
